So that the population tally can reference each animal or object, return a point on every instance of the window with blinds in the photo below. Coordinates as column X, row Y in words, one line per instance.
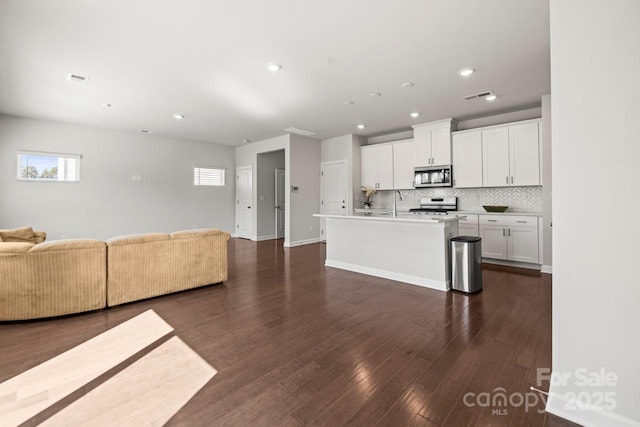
column 212, row 177
column 51, row 167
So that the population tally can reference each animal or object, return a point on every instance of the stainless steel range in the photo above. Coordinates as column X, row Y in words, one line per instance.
column 436, row 206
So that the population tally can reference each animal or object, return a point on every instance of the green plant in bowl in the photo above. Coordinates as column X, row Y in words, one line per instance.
column 495, row 208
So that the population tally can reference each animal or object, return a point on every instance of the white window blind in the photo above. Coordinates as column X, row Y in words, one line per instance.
column 213, row 177
column 52, row 167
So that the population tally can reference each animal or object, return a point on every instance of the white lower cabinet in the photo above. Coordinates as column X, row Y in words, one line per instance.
column 512, row 238
column 468, row 226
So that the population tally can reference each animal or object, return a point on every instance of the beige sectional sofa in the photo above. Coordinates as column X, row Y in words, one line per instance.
column 70, row 276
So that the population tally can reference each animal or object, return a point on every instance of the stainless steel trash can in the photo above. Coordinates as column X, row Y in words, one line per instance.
column 466, row 264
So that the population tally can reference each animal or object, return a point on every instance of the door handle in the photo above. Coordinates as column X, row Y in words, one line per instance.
column 248, row 207
column 343, row 207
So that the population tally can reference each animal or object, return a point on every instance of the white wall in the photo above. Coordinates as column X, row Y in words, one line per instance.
column 547, row 187
column 106, row 202
column 266, row 206
column 595, row 64
column 497, row 119
column 305, row 173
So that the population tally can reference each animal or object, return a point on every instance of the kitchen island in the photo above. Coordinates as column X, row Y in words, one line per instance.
column 408, row 248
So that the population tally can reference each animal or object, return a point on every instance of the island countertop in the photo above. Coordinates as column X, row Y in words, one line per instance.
column 400, row 217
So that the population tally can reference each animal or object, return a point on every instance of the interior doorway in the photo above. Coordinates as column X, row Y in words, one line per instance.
column 271, row 208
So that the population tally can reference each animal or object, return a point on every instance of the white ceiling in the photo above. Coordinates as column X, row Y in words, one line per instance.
column 206, row 59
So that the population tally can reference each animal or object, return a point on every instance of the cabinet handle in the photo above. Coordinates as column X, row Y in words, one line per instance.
column 503, row 234
column 522, row 222
column 492, row 220
column 509, row 232
column 507, row 180
column 512, row 180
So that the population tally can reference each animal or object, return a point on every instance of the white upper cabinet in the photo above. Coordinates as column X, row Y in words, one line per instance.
column 404, row 161
column 495, row 157
column 433, row 142
column 509, row 155
column 377, row 166
column 524, row 154
column 467, row 160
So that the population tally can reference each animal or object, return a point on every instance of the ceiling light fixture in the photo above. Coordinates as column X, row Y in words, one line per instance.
column 106, row 104
column 415, row 114
column 408, row 84
column 348, row 102
column 77, row 78
column 491, row 97
column 466, row 72
column 145, row 131
column 361, row 126
column 178, row 116
column 273, row 67
column 375, row 94
column 246, row 140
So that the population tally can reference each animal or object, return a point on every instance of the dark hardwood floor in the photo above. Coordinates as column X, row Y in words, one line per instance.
column 296, row 343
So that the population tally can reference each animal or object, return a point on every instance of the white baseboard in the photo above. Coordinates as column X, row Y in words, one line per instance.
column 512, row 263
column 558, row 404
column 301, row 242
column 412, row 280
column 547, row 269
column 261, row 238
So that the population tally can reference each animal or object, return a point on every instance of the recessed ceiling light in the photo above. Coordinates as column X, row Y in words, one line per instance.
column 348, row 102
column 178, row 116
column 415, row 114
column 408, row 84
column 466, row 72
column 273, row 67
column 145, row 131
column 491, row 97
column 361, row 126
column 246, row 140
column 77, row 78
column 106, row 104
column 375, row 94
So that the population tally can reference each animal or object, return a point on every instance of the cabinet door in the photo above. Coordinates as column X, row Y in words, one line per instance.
column 368, row 167
column 403, row 164
column 524, row 154
column 467, row 160
column 422, row 145
column 522, row 244
column 384, row 169
column 441, row 146
column 494, row 241
column 495, row 157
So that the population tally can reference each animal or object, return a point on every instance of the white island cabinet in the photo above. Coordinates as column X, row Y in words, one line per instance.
column 406, row 248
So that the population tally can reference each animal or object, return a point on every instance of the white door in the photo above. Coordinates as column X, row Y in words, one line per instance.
column 522, row 244
column 333, row 191
column 441, row 146
column 404, row 157
column 494, row 241
column 524, row 152
column 495, row 157
column 467, row 160
column 244, row 197
column 280, row 203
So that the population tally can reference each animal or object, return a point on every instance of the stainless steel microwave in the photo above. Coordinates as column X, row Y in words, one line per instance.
column 432, row 176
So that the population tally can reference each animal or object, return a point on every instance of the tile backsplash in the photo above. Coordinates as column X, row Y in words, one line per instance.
column 519, row 199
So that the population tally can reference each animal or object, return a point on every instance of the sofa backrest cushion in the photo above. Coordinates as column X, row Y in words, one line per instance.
column 137, row 239
column 24, row 234
column 187, row 234
column 15, row 247
column 66, row 245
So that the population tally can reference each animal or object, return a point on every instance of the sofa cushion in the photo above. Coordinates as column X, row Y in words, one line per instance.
column 137, row 239
column 187, row 234
column 66, row 245
column 24, row 234
column 15, row 247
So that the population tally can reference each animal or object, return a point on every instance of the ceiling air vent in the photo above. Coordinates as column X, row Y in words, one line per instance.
column 76, row 78
column 478, row 95
column 300, row 131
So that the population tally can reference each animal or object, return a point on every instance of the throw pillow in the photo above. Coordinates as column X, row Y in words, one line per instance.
column 24, row 234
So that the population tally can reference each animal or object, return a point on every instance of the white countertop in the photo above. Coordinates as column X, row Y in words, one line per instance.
column 400, row 217
column 483, row 212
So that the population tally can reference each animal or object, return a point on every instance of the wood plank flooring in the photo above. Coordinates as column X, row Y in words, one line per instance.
column 296, row 343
